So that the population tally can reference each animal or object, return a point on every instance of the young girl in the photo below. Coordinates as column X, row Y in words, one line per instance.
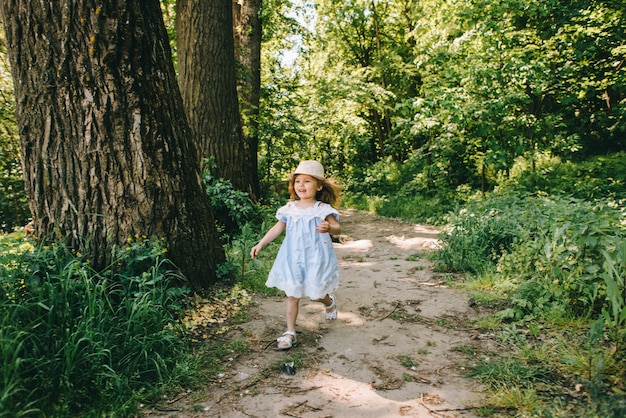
column 306, row 264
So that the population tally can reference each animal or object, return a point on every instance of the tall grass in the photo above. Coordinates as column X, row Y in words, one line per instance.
column 614, row 276
column 80, row 342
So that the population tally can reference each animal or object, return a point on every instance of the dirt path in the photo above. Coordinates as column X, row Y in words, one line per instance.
column 397, row 349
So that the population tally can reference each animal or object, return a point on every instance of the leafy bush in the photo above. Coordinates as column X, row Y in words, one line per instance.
column 418, row 209
column 232, row 208
column 410, row 191
column 376, row 179
column 479, row 234
column 558, row 252
column 597, row 178
column 252, row 274
column 559, row 259
column 76, row 340
column 561, row 271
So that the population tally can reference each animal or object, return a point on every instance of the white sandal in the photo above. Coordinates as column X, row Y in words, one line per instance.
column 332, row 315
column 286, row 341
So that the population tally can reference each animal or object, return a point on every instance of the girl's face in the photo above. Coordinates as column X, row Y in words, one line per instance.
column 306, row 186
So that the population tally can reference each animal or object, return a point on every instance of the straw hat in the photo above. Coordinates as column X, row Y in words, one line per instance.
column 312, row 168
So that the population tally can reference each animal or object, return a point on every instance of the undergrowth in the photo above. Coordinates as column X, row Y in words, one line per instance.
column 552, row 271
column 77, row 342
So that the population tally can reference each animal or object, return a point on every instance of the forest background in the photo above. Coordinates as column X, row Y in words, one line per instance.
column 501, row 122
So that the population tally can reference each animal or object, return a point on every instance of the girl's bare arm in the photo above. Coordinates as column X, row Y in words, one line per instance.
column 270, row 236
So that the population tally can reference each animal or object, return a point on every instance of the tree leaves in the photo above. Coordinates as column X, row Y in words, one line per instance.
column 474, row 85
column 213, row 311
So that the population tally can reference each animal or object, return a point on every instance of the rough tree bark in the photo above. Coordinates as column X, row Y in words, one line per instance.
column 208, row 82
column 247, row 29
column 104, row 139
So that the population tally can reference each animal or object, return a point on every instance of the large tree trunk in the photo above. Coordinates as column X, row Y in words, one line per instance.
column 247, row 29
column 105, row 142
column 208, row 82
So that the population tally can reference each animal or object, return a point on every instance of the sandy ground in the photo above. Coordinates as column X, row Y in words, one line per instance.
column 399, row 348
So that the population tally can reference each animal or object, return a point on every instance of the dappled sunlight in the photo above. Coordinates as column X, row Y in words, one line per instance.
column 311, row 313
column 351, row 319
column 413, row 242
column 362, row 244
column 390, row 353
column 361, row 398
column 355, row 253
column 348, row 262
column 424, row 229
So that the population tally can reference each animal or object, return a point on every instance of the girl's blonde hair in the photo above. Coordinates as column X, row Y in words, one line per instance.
column 330, row 192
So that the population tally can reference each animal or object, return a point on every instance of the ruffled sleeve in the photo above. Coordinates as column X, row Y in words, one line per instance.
column 325, row 209
column 282, row 212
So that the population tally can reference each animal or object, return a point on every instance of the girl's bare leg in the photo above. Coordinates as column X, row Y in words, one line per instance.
column 293, row 304
column 288, row 338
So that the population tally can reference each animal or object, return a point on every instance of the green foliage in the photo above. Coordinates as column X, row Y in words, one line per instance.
column 549, row 261
column 406, row 360
column 168, row 7
column 252, row 274
column 592, row 360
column 511, row 371
column 13, row 204
column 559, row 258
column 77, row 341
column 613, row 274
column 232, row 208
column 554, row 251
column 413, row 191
column 598, row 177
column 542, row 362
column 479, row 234
column 417, row 209
column 451, row 94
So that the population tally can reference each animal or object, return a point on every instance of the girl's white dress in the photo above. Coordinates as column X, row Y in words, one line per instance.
column 306, row 264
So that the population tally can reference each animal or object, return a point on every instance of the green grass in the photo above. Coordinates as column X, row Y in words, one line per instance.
column 509, row 372
column 111, row 339
column 406, row 361
column 299, row 361
column 74, row 340
column 252, row 274
column 467, row 349
column 416, row 209
column 414, row 257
